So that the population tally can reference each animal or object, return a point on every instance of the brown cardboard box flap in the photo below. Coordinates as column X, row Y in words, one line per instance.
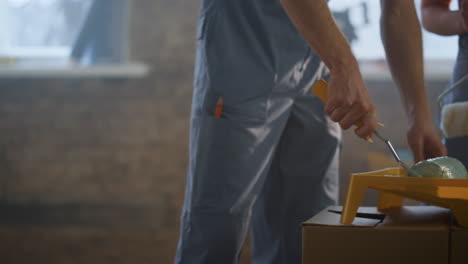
column 366, row 217
column 419, row 217
column 459, row 244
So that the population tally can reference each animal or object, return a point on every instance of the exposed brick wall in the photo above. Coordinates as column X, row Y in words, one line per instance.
column 106, row 140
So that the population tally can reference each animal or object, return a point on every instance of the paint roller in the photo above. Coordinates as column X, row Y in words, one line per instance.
column 454, row 117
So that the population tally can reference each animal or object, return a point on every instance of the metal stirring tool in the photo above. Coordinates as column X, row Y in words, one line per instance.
column 395, row 155
column 320, row 89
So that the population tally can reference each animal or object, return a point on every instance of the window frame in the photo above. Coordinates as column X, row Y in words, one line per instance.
column 57, row 61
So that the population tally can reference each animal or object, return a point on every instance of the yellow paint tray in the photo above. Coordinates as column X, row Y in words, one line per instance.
column 394, row 187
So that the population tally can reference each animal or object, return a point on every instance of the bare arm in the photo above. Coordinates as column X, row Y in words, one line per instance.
column 349, row 101
column 401, row 36
column 437, row 18
column 314, row 21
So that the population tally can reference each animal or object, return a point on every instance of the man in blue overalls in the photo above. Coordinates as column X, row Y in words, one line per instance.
column 439, row 19
column 271, row 157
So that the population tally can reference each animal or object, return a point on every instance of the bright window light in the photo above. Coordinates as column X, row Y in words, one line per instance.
column 364, row 15
column 40, row 28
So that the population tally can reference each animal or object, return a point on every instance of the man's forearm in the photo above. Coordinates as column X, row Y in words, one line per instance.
column 401, row 35
column 314, row 21
column 348, row 100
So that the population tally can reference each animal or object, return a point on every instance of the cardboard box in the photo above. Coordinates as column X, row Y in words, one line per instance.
column 458, row 245
column 410, row 235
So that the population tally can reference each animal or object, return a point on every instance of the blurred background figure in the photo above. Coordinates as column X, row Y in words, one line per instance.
column 87, row 32
column 438, row 18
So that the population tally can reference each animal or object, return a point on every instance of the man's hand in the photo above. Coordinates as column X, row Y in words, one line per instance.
column 424, row 142
column 349, row 102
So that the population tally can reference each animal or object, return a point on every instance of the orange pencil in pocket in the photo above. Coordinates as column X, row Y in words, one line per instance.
column 219, row 108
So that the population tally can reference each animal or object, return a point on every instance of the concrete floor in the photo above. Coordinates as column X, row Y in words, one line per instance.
column 85, row 234
column 82, row 234
column 80, row 244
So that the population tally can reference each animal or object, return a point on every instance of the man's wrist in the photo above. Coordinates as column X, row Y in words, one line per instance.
column 419, row 114
column 342, row 64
